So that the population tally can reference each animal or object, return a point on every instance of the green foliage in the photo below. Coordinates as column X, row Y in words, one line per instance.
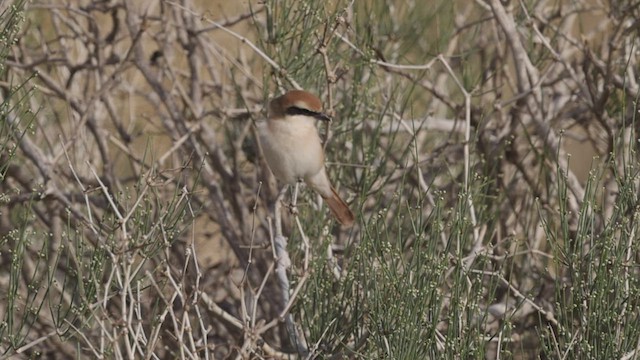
column 471, row 240
column 12, row 114
column 598, row 283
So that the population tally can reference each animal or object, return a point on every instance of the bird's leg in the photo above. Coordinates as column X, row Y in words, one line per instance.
column 280, row 199
column 293, row 208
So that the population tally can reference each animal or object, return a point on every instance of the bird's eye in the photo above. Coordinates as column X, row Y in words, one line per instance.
column 294, row 110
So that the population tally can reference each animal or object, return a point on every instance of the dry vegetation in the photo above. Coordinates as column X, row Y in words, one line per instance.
column 137, row 214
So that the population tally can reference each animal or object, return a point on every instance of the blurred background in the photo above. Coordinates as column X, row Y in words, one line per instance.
column 488, row 149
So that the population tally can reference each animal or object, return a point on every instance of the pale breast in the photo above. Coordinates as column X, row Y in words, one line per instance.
column 292, row 148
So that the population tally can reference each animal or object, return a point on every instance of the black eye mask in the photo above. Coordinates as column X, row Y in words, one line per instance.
column 294, row 110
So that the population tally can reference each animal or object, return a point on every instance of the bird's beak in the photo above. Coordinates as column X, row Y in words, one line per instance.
column 322, row 116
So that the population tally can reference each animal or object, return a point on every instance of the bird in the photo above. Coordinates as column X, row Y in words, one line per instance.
column 293, row 151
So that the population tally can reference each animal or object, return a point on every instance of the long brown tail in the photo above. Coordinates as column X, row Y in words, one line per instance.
column 340, row 209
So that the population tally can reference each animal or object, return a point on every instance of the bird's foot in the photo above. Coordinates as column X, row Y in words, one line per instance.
column 293, row 209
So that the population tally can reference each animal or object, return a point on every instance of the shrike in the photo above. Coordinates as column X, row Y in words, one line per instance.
column 293, row 150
